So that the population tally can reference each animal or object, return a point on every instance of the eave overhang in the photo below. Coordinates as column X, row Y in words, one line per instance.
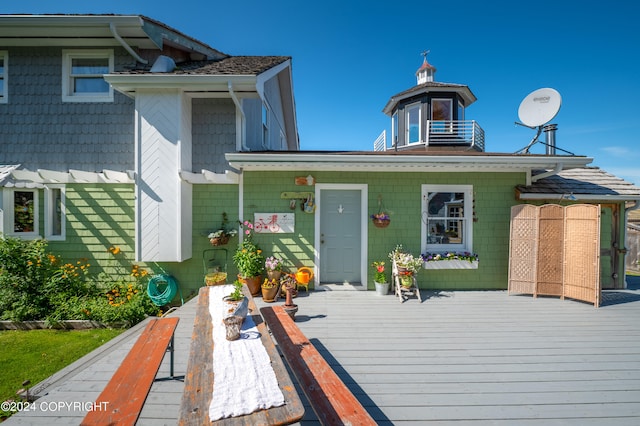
column 71, row 30
column 130, row 83
column 315, row 161
column 96, row 31
column 584, row 184
column 590, row 198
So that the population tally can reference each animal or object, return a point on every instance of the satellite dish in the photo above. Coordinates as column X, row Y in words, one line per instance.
column 536, row 110
column 539, row 107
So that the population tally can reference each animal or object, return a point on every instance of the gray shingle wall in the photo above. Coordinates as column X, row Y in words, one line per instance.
column 38, row 130
column 213, row 133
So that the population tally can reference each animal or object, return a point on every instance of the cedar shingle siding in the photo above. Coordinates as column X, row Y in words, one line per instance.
column 41, row 131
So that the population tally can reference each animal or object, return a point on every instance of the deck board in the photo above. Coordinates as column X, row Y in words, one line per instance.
column 457, row 358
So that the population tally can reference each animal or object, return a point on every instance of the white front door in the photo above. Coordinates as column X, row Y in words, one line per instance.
column 341, row 248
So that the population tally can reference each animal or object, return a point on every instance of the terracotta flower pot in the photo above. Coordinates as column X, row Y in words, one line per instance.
column 270, row 294
column 274, row 275
column 253, row 283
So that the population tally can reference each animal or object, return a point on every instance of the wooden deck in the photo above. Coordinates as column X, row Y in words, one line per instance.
column 456, row 358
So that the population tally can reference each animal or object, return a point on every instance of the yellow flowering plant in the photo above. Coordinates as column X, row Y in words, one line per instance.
column 248, row 257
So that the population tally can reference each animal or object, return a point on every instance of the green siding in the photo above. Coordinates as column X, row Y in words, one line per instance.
column 209, row 202
column 401, row 196
column 101, row 216
column 262, row 195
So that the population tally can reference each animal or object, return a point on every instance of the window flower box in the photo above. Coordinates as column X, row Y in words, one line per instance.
column 451, row 264
column 450, row 260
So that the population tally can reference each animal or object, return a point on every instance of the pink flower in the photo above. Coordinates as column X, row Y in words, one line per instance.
column 247, row 232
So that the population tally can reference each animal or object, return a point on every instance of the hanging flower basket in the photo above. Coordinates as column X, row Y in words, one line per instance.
column 219, row 241
column 381, row 223
column 380, row 219
column 221, row 236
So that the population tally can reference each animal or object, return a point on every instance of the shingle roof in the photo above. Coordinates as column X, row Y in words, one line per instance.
column 231, row 65
column 591, row 181
column 431, row 87
column 430, row 84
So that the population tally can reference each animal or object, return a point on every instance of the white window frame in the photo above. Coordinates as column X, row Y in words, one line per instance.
column 4, row 77
column 8, row 199
column 460, row 111
column 50, row 207
column 394, row 129
column 68, row 95
column 407, row 131
column 466, row 243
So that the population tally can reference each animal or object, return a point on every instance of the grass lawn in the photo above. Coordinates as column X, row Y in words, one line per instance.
column 36, row 354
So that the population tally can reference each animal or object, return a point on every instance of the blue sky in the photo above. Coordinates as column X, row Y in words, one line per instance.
column 350, row 57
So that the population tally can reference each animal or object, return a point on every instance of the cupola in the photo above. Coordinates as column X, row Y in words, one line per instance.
column 426, row 72
column 431, row 115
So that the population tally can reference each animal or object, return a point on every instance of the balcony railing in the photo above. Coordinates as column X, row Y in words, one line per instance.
column 443, row 133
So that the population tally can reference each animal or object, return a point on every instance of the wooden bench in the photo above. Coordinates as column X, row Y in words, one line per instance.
column 122, row 399
column 331, row 400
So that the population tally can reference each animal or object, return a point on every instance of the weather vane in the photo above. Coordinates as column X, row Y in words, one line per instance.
column 425, row 53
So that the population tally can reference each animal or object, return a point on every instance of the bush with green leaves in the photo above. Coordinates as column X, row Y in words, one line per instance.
column 30, row 277
column 37, row 285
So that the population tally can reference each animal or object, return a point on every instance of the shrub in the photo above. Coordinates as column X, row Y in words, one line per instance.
column 36, row 285
column 30, row 277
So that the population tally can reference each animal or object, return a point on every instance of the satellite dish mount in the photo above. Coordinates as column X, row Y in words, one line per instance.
column 535, row 111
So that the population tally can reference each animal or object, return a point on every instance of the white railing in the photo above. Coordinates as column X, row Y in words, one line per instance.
column 380, row 144
column 454, row 132
column 449, row 132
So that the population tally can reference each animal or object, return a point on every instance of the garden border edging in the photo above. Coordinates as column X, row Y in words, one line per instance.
column 61, row 325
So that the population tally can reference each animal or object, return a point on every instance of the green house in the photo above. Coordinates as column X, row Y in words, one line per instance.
column 140, row 137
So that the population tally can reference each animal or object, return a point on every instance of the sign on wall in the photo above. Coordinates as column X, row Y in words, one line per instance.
column 274, row 223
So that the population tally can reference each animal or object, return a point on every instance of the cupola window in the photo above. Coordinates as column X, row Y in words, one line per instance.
column 441, row 115
column 413, row 133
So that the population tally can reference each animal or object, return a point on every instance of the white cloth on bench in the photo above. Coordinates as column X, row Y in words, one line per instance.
column 244, row 380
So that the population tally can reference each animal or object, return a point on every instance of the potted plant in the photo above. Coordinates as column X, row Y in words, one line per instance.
column 380, row 278
column 380, row 220
column 406, row 264
column 270, row 289
column 249, row 261
column 273, row 267
column 221, row 236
